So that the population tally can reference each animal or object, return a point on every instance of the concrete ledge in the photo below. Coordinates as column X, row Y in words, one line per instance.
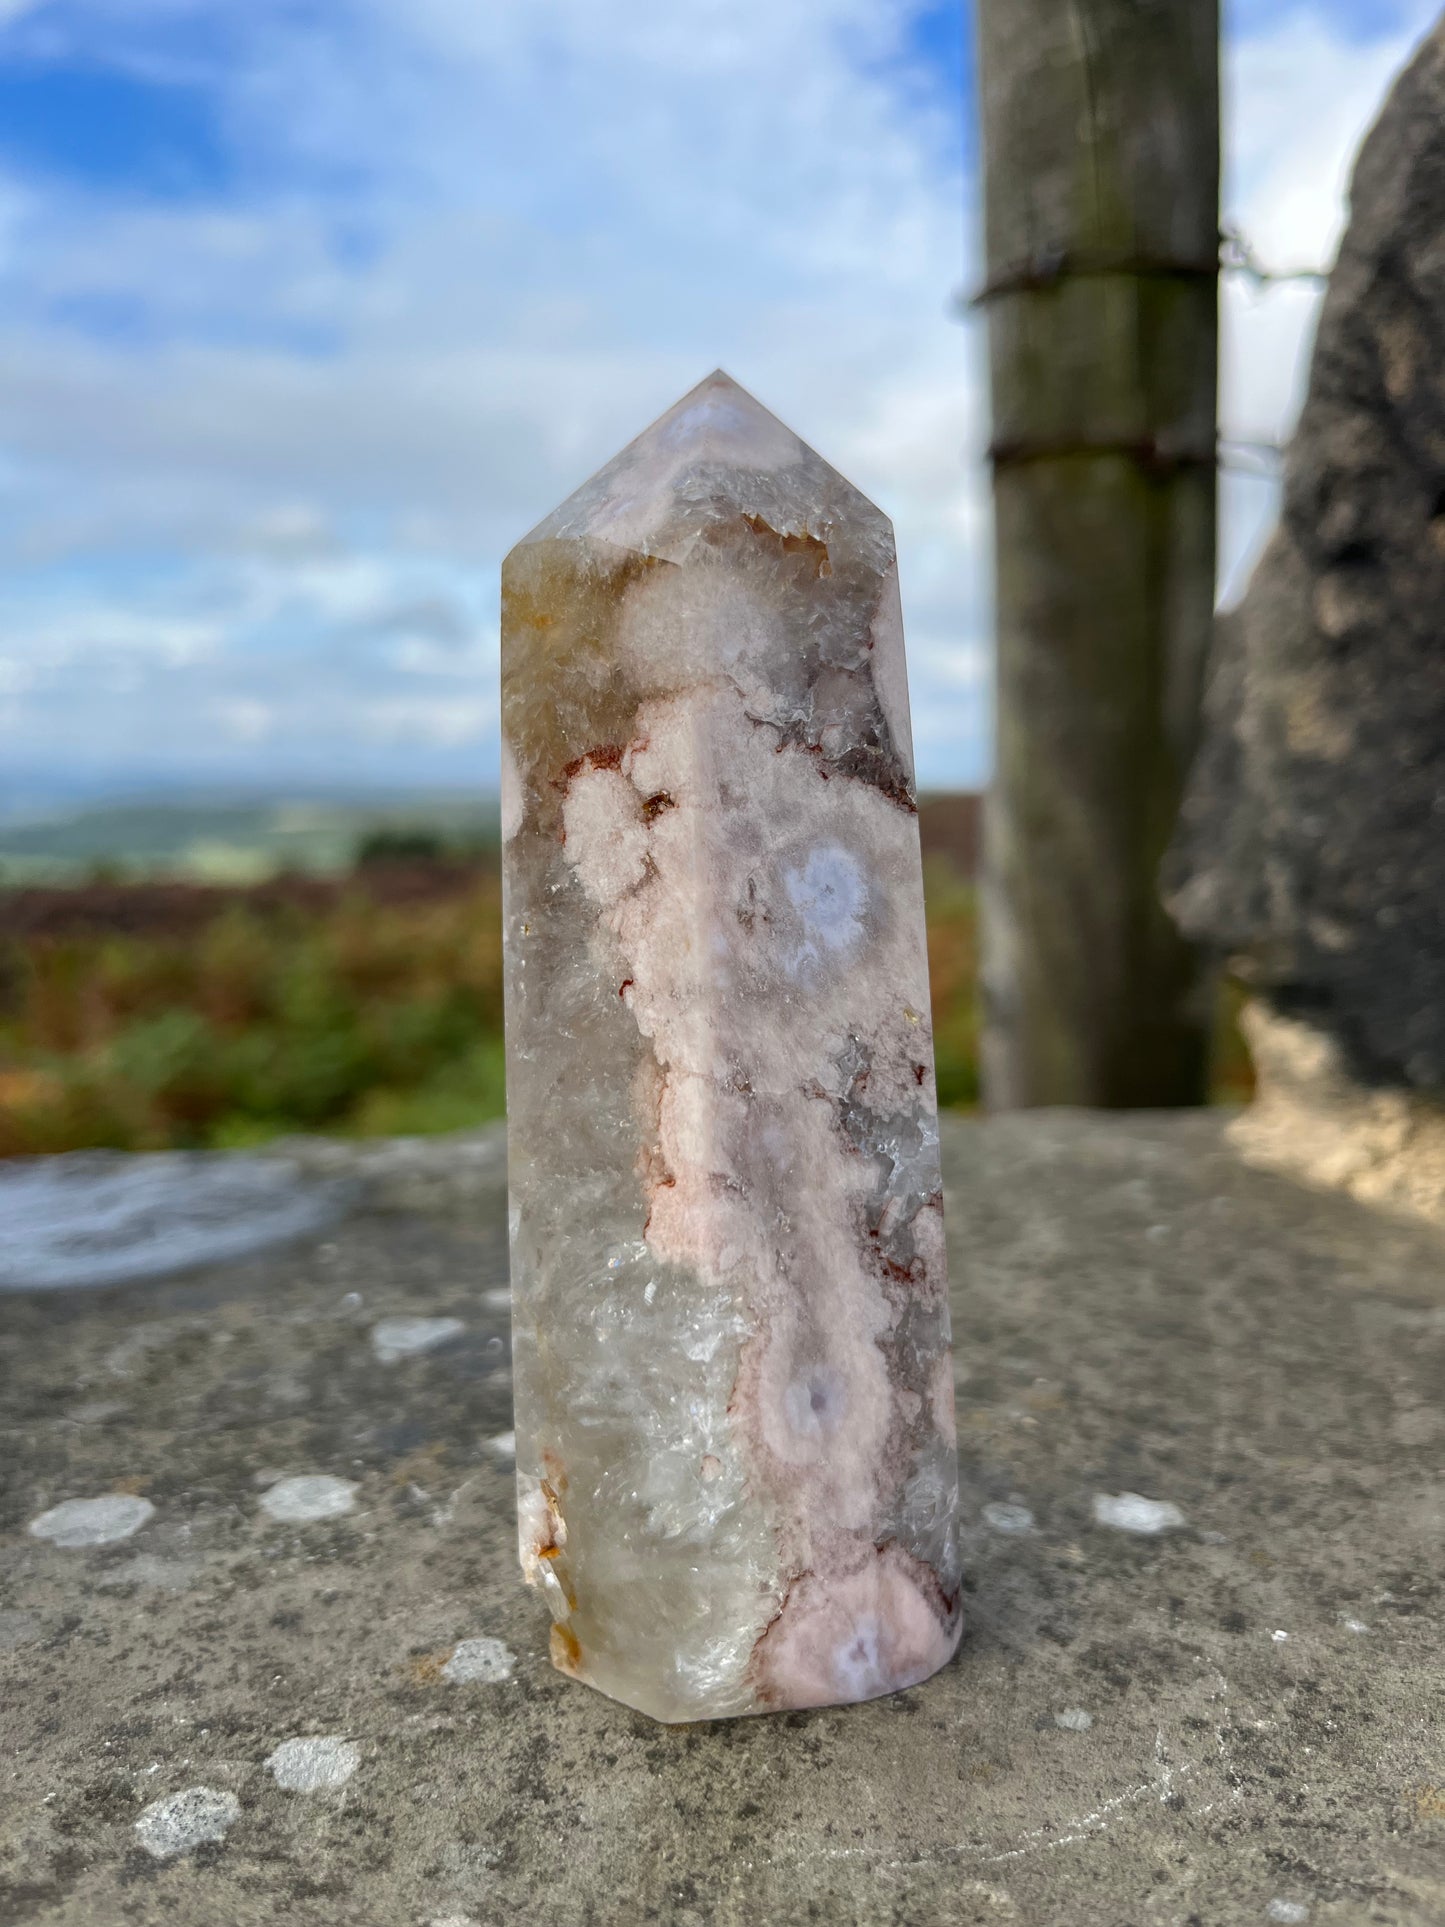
column 1225, row 1719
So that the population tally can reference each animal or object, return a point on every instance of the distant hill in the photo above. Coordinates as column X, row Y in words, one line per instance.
column 233, row 840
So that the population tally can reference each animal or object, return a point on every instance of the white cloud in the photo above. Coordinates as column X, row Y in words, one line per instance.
column 425, row 720
column 243, row 718
column 1298, row 99
column 471, row 249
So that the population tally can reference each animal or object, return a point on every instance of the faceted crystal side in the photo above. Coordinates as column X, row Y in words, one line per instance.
column 736, row 1461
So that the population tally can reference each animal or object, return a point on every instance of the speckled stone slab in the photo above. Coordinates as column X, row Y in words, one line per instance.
column 735, row 1437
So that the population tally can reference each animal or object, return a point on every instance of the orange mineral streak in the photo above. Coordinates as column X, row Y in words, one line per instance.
column 566, row 1651
column 550, row 1538
column 807, row 545
column 555, row 1536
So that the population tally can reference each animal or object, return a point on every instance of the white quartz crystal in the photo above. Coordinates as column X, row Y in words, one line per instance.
column 735, row 1448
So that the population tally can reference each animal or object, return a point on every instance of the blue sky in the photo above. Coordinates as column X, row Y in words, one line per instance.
column 307, row 311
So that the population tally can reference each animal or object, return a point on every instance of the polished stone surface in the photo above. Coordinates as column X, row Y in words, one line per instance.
column 1213, row 1723
column 98, row 1218
column 737, row 1472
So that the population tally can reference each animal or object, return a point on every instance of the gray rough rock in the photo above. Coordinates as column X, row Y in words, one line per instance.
column 1124, row 1737
column 1312, row 846
column 1383, row 1144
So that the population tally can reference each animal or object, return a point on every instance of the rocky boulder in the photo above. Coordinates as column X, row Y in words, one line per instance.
column 1312, row 846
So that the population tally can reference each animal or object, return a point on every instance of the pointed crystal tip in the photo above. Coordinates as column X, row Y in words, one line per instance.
column 656, row 488
column 722, row 422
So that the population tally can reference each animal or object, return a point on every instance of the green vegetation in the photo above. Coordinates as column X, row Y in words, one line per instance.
column 953, row 977
column 352, row 1015
column 145, row 1016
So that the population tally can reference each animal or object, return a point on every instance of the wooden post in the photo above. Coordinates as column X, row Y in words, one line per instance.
column 1101, row 141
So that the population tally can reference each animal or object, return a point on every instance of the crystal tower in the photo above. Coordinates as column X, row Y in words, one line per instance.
column 734, row 1393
